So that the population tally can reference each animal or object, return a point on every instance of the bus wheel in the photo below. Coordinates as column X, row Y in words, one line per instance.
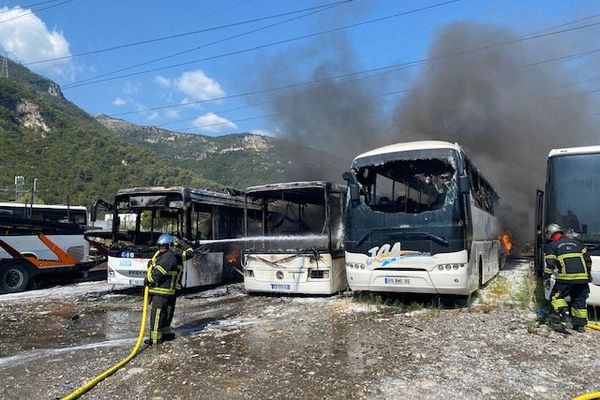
column 14, row 278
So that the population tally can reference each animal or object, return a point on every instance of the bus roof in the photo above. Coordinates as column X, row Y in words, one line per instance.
column 234, row 198
column 48, row 206
column 574, row 150
column 408, row 146
column 295, row 185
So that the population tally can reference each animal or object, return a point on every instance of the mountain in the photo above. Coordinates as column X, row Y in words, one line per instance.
column 237, row 160
column 74, row 157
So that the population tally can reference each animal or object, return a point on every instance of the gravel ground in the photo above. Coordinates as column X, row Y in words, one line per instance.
column 234, row 346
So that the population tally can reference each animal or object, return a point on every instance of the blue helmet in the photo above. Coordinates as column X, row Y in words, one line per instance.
column 165, row 239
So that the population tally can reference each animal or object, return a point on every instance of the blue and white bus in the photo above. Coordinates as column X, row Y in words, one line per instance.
column 420, row 218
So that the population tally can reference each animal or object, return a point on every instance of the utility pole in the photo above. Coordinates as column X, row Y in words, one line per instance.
column 34, row 191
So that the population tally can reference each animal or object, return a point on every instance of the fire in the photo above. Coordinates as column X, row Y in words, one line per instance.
column 233, row 256
column 507, row 243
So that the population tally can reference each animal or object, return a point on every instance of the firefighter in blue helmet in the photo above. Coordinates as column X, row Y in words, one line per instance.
column 164, row 281
column 569, row 259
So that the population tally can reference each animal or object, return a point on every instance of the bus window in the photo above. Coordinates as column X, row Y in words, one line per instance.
column 202, row 223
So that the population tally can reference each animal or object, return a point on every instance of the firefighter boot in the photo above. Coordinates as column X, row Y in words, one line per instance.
column 579, row 328
column 564, row 318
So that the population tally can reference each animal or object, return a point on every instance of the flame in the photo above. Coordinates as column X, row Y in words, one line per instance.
column 507, row 243
column 233, row 256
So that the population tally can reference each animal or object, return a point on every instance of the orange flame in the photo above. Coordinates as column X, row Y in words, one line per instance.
column 233, row 256
column 507, row 243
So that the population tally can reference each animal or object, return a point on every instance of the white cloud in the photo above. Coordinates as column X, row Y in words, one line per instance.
column 163, row 82
column 198, row 86
column 154, row 116
column 119, row 102
column 211, row 122
column 172, row 113
column 27, row 39
column 262, row 132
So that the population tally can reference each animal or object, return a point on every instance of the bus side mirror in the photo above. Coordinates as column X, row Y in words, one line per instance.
column 464, row 184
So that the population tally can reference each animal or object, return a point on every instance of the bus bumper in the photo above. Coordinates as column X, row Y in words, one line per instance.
column 126, row 271
column 273, row 286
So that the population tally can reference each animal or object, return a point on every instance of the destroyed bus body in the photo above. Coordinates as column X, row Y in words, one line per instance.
column 570, row 199
column 420, row 219
column 203, row 218
column 41, row 241
column 294, row 240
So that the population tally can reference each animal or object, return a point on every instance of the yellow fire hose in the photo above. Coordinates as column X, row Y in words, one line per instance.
column 593, row 395
column 90, row 384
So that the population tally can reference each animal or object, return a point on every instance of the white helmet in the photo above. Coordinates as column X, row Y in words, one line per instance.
column 551, row 229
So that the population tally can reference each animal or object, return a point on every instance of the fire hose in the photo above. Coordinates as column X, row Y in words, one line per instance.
column 592, row 395
column 93, row 382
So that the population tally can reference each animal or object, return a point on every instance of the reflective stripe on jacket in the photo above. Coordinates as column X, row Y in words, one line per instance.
column 570, row 259
column 164, row 273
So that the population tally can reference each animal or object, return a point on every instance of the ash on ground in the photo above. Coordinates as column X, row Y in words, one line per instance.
column 234, row 346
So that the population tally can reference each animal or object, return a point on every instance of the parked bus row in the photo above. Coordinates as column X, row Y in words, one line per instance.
column 414, row 217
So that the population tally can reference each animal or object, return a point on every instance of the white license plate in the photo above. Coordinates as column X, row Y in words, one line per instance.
column 280, row 287
column 397, row 281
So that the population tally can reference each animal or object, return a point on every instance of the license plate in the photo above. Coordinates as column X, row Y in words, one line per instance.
column 397, row 281
column 280, row 287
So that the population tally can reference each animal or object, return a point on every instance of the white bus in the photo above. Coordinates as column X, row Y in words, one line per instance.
column 294, row 238
column 420, row 219
column 29, row 234
column 571, row 200
column 205, row 218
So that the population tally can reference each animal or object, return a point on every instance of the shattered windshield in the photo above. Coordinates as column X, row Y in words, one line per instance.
column 573, row 190
column 407, row 185
column 143, row 218
column 297, row 212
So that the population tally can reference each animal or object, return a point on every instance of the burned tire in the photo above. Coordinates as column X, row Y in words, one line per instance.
column 14, row 278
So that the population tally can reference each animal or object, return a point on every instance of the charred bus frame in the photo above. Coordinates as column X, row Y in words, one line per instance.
column 206, row 219
column 294, row 238
column 420, row 218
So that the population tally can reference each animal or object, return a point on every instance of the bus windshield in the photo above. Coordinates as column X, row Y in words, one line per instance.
column 410, row 196
column 143, row 218
column 572, row 191
column 294, row 218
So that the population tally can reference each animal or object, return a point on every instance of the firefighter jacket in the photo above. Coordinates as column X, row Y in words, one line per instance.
column 164, row 273
column 570, row 259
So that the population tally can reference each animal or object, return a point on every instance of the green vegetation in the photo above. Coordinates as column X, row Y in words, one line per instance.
column 76, row 159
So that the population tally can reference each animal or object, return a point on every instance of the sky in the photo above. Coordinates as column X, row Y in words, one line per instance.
column 231, row 57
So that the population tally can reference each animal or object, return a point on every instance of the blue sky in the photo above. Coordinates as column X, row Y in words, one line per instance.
column 80, row 26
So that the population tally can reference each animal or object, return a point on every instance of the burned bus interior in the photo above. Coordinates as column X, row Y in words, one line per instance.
column 406, row 186
column 295, row 216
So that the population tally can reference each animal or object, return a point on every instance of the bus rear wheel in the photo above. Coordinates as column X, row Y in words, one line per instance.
column 14, row 278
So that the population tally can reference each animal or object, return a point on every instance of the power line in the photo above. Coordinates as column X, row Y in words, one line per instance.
column 184, row 34
column 35, row 11
column 383, row 69
column 28, row 5
column 94, row 80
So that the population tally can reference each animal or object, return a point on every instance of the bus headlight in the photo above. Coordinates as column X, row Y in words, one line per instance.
column 355, row 265
column 449, row 267
column 249, row 273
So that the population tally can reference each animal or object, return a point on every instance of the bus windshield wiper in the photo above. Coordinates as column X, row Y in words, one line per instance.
column 438, row 239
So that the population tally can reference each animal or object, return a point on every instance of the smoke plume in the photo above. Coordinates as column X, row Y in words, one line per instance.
column 500, row 103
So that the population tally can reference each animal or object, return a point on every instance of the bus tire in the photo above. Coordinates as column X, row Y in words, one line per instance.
column 14, row 278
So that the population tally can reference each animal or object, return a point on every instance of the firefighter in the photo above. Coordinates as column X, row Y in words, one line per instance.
column 164, row 280
column 570, row 260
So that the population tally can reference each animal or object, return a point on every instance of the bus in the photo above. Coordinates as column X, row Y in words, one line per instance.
column 294, row 238
column 38, row 240
column 204, row 218
column 570, row 199
column 420, row 219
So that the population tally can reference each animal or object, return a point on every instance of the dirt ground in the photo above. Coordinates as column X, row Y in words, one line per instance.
column 233, row 346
